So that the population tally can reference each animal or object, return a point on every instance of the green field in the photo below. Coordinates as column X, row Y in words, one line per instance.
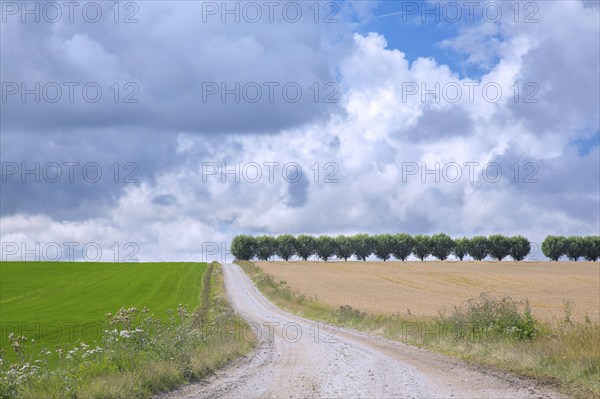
column 136, row 353
column 58, row 303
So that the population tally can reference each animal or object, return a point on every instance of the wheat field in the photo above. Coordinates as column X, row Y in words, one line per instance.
column 424, row 288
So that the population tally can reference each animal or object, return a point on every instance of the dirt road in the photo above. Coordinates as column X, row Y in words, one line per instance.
column 296, row 357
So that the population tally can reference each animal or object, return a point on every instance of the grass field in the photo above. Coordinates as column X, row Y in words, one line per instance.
column 158, row 328
column 424, row 288
column 57, row 303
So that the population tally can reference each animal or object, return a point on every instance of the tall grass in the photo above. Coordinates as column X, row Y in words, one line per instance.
column 495, row 332
column 138, row 355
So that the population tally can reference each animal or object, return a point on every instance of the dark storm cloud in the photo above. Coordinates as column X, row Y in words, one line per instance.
column 417, row 222
column 298, row 193
column 548, row 184
column 335, row 143
column 172, row 72
column 558, row 90
column 176, row 70
column 164, row 199
column 76, row 175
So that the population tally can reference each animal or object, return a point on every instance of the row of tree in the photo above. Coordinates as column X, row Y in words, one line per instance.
column 401, row 246
column 574, row 247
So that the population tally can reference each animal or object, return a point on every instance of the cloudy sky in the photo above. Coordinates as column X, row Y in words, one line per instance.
column 158, row 130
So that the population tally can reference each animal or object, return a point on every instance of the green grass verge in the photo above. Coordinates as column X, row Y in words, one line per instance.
column 498, row 333
column 139, row 353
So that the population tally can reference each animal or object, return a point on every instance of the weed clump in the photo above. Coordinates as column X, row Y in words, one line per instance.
column 487, row 316
column 347, row 313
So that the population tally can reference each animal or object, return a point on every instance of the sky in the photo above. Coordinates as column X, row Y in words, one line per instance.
column 159, row 130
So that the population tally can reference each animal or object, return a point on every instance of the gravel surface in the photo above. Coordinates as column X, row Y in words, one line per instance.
column 299, row 358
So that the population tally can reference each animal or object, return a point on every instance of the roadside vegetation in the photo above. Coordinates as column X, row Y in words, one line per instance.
column 401, row 246
column 496, row 332
column 137, row 355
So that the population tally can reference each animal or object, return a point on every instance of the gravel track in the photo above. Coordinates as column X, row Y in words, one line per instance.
column 299, row 358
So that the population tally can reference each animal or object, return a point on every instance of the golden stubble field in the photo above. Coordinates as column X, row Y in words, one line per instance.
column 423, row 288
